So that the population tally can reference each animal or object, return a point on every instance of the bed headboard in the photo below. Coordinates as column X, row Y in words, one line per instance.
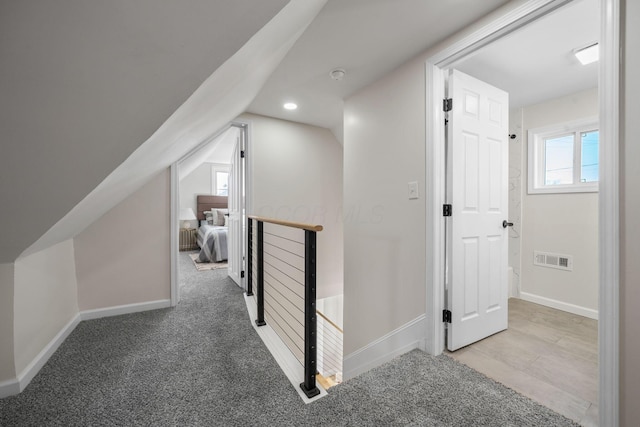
column 208, row 202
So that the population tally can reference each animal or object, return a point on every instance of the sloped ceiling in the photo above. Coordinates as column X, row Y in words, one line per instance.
column 85, row 82
column 368, row 39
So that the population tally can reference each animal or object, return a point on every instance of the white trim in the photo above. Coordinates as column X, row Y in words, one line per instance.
column 218, row 167
column 32, row 369
column 248, row 187
column 124, row 309
column 609, row 214
column 436, row 197
column 174, row 221
column 290, row 366
column 397, row 342
column 435, row 152
column 560, row 305
column 12, row 387
column 536, row 155
column 9, row 388
column 608, row 188
column 505, row 24
column 174, row 197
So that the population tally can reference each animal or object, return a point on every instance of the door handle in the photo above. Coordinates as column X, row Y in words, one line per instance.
column 506, row 224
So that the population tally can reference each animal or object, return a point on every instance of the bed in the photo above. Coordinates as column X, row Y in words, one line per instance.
column 212, row 235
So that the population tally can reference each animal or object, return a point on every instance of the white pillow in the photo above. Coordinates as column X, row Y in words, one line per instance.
column 221, row 216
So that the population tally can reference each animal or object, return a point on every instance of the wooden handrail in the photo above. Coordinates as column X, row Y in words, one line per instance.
column 291, row 224
column 329, row 321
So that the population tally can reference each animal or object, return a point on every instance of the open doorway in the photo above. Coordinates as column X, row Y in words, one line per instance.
column 607, row 286
column 209, row 200
column 552, row 151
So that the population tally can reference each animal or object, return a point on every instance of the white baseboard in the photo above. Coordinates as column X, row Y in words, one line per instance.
column 406, row 338
column 571, row 308
column 124, row 309
column 281, row 353
column 9, row 388
column 32, row 369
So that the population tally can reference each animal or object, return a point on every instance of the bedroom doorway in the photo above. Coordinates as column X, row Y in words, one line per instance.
column 216, row 169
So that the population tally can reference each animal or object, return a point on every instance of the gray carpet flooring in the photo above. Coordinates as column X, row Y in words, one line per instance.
column 202, row 364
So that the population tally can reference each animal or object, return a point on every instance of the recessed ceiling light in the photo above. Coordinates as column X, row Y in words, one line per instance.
column 588, row 54
column 290, row 106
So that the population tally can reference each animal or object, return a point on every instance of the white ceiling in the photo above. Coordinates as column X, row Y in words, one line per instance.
column 537, row 63
column 369, row 38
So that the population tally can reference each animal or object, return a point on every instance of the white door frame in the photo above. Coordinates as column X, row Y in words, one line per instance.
column 175, row 199
column 608, row 324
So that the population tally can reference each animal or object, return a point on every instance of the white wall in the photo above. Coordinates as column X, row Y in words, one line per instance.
column 7, row 365
column 197, row 182
column 559, row 223
column 384, row 231
column 630, row 212
column 124, row 256
column 196, row 170
column 45, row 300
column 297, row 176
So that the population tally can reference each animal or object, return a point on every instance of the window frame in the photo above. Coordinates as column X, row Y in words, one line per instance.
column 536, row 156
column 215, row 168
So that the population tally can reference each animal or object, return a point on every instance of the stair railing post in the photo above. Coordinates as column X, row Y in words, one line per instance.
column 260, row 320
column 310, row 326
column 249, row 257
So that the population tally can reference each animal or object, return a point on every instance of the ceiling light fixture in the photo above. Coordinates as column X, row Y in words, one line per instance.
column 338, row 74
column 587, row 55
column 290, row 106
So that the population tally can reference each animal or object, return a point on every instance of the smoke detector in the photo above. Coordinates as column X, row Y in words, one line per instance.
column 338, row 74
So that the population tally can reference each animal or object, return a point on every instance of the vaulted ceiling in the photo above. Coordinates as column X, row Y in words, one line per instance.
column 97, row 96
column 86, row 82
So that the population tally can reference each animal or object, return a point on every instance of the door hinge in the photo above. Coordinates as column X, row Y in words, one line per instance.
column 447, row 104
column 446, row 210
column 446, row 316
column 242, row 154
column 242, row 274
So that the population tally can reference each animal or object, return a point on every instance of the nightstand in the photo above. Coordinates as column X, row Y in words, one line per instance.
column 188, row 239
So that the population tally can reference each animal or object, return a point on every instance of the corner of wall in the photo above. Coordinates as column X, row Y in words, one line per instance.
column 397, row 342
column 8, row 380
column 124, row 257
column 45, row 309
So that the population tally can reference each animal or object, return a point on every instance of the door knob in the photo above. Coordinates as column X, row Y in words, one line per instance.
column 506, row 224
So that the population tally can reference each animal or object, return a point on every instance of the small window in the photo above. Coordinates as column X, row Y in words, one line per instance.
column 220, row 179
column 222, row 183
column 564, row 158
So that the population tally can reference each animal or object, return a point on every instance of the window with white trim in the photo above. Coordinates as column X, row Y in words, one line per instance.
column 220, row 179
column 564, row 158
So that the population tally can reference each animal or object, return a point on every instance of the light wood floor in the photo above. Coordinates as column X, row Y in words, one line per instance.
column 549, row 355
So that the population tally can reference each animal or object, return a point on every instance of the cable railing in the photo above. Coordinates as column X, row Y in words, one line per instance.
column 281, row 275
column 330, row 345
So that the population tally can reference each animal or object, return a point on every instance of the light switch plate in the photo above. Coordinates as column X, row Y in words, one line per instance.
column 413, row 190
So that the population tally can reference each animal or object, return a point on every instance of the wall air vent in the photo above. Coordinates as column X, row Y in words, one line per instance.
column 546, row 259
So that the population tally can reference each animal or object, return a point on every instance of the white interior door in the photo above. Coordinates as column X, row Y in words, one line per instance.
column 477, row 189
column 236, row 205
